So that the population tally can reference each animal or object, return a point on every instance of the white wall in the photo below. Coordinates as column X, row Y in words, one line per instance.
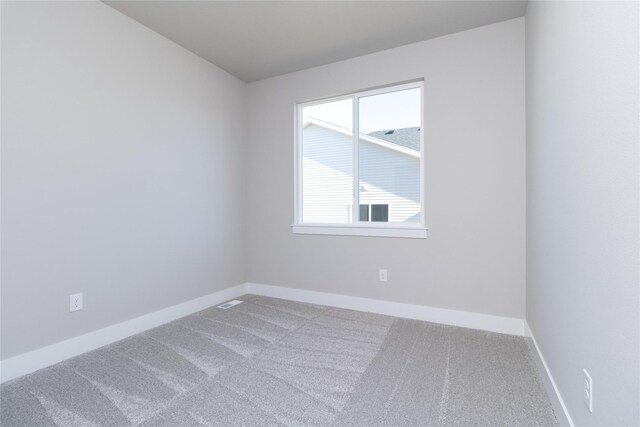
column 583, row 210
column 123, row 164
column 474, row 256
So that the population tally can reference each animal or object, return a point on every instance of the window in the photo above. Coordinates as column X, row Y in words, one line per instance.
column 365, row 150
column 379, row 213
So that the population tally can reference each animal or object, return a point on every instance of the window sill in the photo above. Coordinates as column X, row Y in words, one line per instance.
column 358, row 230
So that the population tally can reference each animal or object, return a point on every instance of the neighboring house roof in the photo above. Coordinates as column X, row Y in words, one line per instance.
column 414, row 152
column 406, row 137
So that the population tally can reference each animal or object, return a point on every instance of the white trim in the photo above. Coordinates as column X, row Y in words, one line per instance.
column 391, row 87
column 465, row 319
column 423, row 156
column 361, row 230
column 298, row 184
column 26, row 363
column 529, row 334
column 352, row 229
column 355, row 162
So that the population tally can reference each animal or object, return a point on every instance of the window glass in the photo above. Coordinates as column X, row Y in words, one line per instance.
column 389, row 155
column 380, row 213
column 364, row 212
column 327, row 178
column 360, row 163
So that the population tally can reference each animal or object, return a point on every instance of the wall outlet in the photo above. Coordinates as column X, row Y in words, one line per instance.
column 75, row 302
column 383, row 275
column 587, row 394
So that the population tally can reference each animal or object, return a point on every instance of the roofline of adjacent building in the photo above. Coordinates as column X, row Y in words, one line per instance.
column 363, row 136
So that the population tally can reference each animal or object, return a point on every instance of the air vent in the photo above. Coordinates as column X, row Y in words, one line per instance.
column 229, row 304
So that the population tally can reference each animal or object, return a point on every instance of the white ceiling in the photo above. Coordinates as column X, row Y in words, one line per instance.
column 254, row 40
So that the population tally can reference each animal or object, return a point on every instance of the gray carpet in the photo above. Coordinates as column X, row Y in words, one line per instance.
column 275, row 362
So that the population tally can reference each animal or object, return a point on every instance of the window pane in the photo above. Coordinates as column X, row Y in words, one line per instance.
column 380, row 213
column 327, row 150
column 389, row 155
column 364, row 213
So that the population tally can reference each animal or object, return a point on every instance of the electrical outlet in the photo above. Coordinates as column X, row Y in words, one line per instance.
column 383, row 275
column 587, row 395
column 75, row 302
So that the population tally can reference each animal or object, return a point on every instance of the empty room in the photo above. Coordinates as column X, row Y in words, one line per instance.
column 323, row 213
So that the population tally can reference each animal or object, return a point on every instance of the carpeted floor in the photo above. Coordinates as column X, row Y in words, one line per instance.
column 275, row 362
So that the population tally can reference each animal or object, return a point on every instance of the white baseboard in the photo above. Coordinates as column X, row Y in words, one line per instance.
column 26, row 363
column 465, row 319
column 529, row 334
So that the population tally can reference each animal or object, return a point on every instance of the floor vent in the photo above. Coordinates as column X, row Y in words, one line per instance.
column 229, row 304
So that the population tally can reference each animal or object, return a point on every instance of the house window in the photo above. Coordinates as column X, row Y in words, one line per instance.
column 364, row 149
column 379, row 213
column 364, row 212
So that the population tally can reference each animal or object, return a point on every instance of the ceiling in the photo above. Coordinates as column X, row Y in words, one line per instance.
column 254, row 40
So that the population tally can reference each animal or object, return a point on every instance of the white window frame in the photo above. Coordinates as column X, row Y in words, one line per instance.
column 357, row 228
